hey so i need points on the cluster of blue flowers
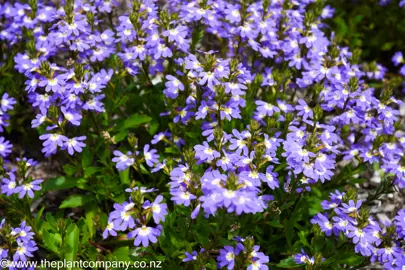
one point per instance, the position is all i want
(311, 109)
(11, 184)
(244, 254)
(20, 242)
(380, 241)
(137, 213)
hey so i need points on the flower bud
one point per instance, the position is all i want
(133, 141)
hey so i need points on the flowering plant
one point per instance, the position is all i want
(204, 134)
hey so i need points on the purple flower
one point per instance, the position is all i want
(192, 256)
(177, 34)
(53, 84)
(270, 178)
(74, 144)
(232, 14)
(29, 188)
(398, 58)
(159, 210)
(259, 260)
(388, 254)
(24, 250)
(9, 185)
(5, 147)
(209, 79)
(160, 137)
(150, 155)
(323, 222)
(303, 258)
(72, 116)
(109, 230)
(3, 253)
(205, 152)
(95, 104)
(182, 197)
(144, 235)
(351, 207)
(327, 12)
(23, 233)
(52, 141)
(239, 141)
(121, 216)
(226, 257)
(265, 108)
(123, 161)
(173, 86)
(7, 102)
(304, 110)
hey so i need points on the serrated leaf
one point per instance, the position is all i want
(69, 169)
(303, 238)
(89, 171)
(52, 241)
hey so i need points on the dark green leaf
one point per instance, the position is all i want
(87, 157)
(76, 201)
(61, 182)
(89, 171)
(133, 121)
(288, 263)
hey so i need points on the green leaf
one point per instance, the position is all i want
(303, 238)
(124, 176)
(153, 126)
(71, 243)
(121, 254)
(76, 201)
(69, 169)
(275, 223)
(87, 157)
(91, 212)
(345, 257)
(133, 121)
(288, 263)
(61, 182)
(89, 171)
(38, 218)
(121, 135)
(192, 134)
(52, 241)
(289, 230)
(172, 150)
(351, 260)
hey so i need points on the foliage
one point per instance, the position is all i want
(201, 134)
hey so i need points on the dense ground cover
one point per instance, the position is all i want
(202, 134)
